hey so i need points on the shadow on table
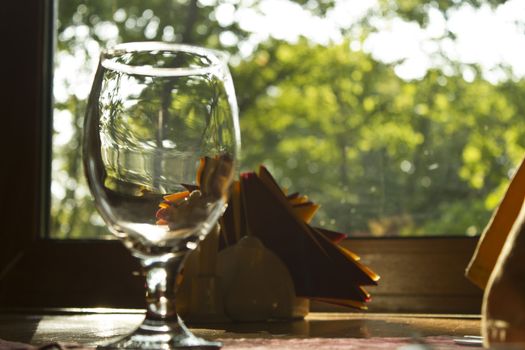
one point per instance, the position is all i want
(355, 328)
(19, 328)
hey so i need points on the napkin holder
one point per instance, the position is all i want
(242, 283)
(264, 261)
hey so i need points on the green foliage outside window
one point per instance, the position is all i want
(382, 155)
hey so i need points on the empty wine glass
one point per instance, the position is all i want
(161, 143)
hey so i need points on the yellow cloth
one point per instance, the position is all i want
(497, 230)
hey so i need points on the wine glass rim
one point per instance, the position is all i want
(216, 58)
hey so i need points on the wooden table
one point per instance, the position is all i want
(98, 326)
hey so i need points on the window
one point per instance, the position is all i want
(397, 183)
(393, 119)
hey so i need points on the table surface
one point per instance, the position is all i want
(98, 326)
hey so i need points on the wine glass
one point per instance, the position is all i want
(161, 143)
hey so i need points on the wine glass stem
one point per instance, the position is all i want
(161, 288)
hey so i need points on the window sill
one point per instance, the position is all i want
(417, 275)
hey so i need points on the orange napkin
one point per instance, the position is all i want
(319, 267)
(497, 230)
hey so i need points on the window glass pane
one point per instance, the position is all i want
(398, 118)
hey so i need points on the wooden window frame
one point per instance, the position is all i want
(419, 274)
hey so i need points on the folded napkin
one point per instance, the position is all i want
(496, 232)
(320, 268)
(258, 207)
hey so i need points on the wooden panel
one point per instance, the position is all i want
(74, 274)
(419, 274)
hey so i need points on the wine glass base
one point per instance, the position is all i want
(158, 335)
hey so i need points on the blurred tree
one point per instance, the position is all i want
(382, 155)
(418, 10)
